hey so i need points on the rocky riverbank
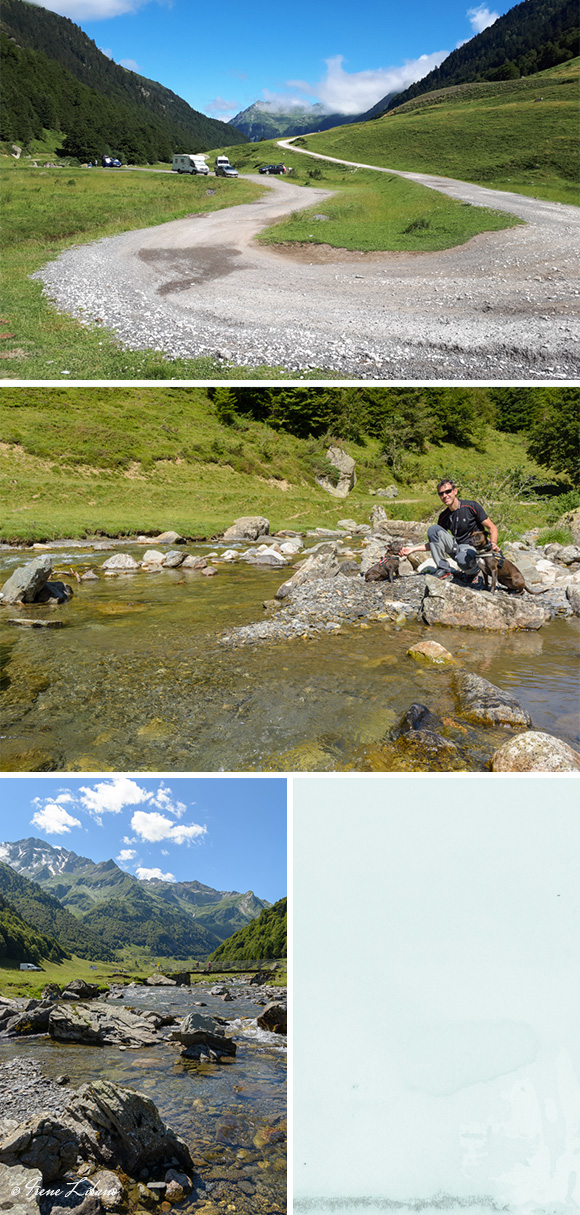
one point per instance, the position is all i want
(102, 1145)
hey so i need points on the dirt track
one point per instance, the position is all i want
(503, 306)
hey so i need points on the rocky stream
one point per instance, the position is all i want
(144, 1098)
(180, 656)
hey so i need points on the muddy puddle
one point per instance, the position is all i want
(139, 680)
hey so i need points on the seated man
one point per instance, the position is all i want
(449, 536)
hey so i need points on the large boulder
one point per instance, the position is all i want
(345, 465)
(247, 527)
(273, 1018)
(203, 1036)
(460, 607)
(431, 653)
(98, 1024)
(121, 1128)
(78, 989)
(535, 752)
(321, 564)
(159, 980)
(27, 581)
(483, 703)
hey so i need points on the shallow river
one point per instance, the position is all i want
(232, 1115)
(138, 680)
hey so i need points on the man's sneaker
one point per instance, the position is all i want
(443, 573)
(471, 579)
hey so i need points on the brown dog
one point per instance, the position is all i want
(496, 568)
(388, 566)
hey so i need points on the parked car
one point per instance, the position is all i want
(110, 162)
(226, 171)
(273, 169)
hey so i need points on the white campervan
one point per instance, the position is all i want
(189, 163)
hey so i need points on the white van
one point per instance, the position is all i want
(221, 162)
(189, 163)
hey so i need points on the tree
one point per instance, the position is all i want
(555, 438)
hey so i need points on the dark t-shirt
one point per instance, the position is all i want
(462, 522)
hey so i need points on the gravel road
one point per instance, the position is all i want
(504, 306)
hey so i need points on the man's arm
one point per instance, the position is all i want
(414, 548)
(492, 529)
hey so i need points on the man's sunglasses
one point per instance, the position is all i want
(446, 493)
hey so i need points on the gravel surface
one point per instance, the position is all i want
(502, 306)
(24, 1091)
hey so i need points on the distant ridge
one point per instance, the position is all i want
(181, 919)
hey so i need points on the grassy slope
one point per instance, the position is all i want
(370, 211)
(494, 134)
(46, 211)
(75, 462)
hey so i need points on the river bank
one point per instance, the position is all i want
(156, 666)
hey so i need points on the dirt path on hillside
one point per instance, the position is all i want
(503, 306)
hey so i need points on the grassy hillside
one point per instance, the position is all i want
(263, 938)
(47, 916)
(530, 37)
(55, 76)
(76, 462)
(21, 942)
(516, 135)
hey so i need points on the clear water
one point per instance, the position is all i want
(138, 680)
(232, 1115)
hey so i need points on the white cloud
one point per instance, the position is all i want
(153, 827)
(481, 18)
(91, 10)
(126, 854)
(130, 64)
(221, 108)
(54, 819)
(106, 50)
(145, 874)
(344, 92)
(112, 795)
(163, 799)
(128, 839)
(4, 852)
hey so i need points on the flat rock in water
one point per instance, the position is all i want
(483, 703)
(535, 752)
(120, 561)
(460, 607)
(322, 564)
(36, 624)
(169, 538)
(25, 583)
(100, 1024)
(430, 652)
(21, 1184)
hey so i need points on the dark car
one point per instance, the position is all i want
(273, 169)
(110, 162)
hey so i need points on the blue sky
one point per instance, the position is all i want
(229, 833)
(221, 59)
